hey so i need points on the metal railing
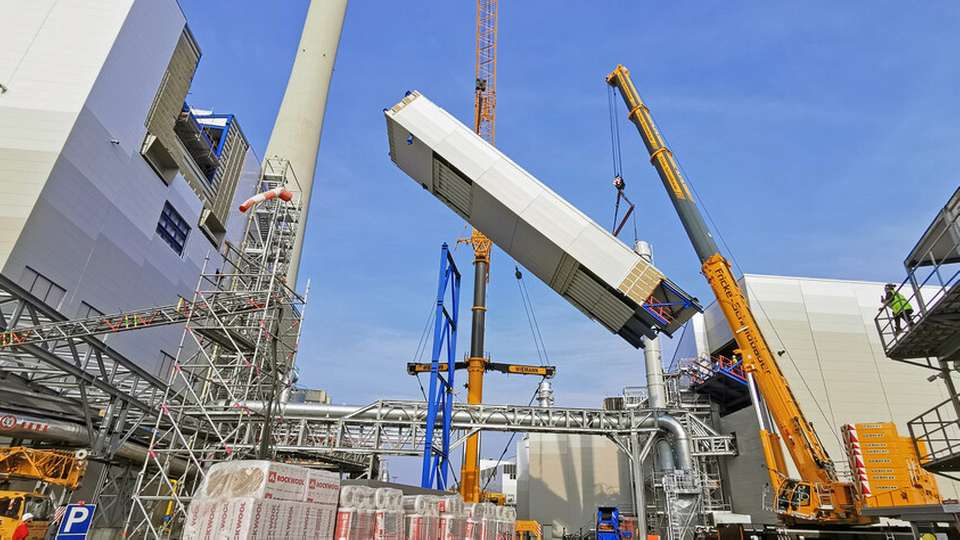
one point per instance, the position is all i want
(936, 432)
(700, 369)
(930, 279)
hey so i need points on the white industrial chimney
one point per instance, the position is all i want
(296, 133)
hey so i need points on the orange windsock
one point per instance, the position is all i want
(280, 192)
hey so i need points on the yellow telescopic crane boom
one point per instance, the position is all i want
(820, 496)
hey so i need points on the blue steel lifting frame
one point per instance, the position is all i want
(653, 308)
(440, 398)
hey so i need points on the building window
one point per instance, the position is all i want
(173, 228)
(44, 289)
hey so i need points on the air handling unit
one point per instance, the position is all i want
(588, 266)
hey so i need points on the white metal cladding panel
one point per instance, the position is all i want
(495, 183)
(540, 256)
(493, 172)
(51, 56)
(836, 366)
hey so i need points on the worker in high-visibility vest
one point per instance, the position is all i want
(899, 306)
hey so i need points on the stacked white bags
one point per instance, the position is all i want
(488, 523)
(355, 519)
(453, 519)
(475, 513)
(506, 521)
(421, 517)
(254, 500)
(388, 518)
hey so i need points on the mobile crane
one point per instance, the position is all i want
(819, 496)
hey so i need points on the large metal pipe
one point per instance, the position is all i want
(656, 389)
(296, 132)
(17, 425)
(681, 442)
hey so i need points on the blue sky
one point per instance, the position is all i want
(821, 136)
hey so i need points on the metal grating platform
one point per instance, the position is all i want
(921, 319)
(936, 433)
(722, 379)
(936, 333)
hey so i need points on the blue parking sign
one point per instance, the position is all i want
(76, 521)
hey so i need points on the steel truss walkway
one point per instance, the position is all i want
(76, 378)
(399, 427)
(221, 304)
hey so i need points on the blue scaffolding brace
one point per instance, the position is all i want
(440, 398)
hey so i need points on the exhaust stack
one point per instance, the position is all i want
(296, 132)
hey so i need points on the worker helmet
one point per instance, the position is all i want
(27, 517)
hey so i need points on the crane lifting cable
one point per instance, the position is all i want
(531, 317)
(618, 181)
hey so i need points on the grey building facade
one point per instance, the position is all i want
(116, 191)
(562, 479)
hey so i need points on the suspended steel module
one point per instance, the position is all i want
(568, 251)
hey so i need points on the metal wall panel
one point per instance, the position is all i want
(836, 368)
(551, 238)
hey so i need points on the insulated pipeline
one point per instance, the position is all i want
(670, 425)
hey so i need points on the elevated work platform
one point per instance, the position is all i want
(720, 378)
(575, 256)
(930, 326)
(919, 323)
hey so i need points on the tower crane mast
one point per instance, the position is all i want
(484, 115)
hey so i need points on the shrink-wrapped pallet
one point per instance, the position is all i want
(355, 524)
(323, 487)
(356, 515)
(421, 517)
(488, 525)
(473, 528)
(388, 516)
(451, 504)
(357, 497)
(453, 519)
(247, 518)
(452, 527)
(199, 521)
(326, 521)
(257, 479)
(245, 500)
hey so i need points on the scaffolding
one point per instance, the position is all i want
(226, 359)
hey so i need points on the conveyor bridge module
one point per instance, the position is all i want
(575, 256)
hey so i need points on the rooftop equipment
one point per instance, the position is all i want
(575, 256)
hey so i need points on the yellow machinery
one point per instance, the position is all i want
(819, 495)
(53, 467)
(494, 497)
(528, 530)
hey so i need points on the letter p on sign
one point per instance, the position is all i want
(76, 521)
